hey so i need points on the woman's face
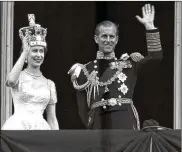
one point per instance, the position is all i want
(36, 56)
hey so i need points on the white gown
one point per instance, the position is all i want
(30, 98)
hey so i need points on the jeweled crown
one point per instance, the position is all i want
(34, 33)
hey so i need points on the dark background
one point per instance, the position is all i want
(70, 36)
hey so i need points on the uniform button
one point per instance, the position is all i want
(104, 107)
(102, 99)
(96, 71)
(95, 66)
(89, 119)
(119, 104)
(95, 61)
(119, 96)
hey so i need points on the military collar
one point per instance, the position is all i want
(100, 55)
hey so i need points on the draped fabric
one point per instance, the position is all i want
(91, 141)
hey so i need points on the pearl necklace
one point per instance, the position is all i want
(33, 75)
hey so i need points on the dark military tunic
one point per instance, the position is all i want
(106, 108)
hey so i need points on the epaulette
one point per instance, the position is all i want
(133, 59)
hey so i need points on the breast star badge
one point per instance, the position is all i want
(122, 77)
(123, 88)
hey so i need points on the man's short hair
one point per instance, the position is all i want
(106, 24)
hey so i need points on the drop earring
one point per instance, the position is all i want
(26, 61)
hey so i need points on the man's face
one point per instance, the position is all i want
(106, 39)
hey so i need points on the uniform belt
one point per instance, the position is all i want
(111, 102)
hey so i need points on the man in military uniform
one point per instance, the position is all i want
(105, 86)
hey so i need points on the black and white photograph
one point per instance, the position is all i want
(91, 76)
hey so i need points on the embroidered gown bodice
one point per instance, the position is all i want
(30, 98)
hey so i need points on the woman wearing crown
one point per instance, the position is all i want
(32, 93)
